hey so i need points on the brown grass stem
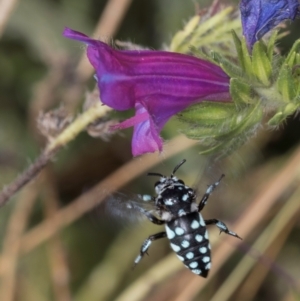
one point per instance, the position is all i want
(59, 269)
(11, 245)
(6, 9)
(29, 174)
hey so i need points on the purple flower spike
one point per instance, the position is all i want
(260, 16)
(157, 84)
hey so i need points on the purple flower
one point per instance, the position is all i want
(157, 84)
(260, 16)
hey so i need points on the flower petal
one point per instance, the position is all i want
(146, 137)
(158, 84)
(260, 16)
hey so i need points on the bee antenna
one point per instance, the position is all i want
(178, 165)
(155, 174)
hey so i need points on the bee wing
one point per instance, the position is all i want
(128, 207)
(209, 173)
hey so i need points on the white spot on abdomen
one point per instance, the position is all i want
(193, 264)
(199, 237)
(195, 224)
(180, 257)
(202, 250)
(208, 266)
(175, 247)
(196, 271)
(206, 259)
(170, 233)
(202, 223)
(189, 255)
(179, 231)
(185, 243)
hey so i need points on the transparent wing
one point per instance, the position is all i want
(126, 207)
(209, 173)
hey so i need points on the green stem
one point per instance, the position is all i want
(92, 114)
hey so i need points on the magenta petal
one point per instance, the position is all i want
(158, 84)
(146, 137)
(131, 121)
(76, 35)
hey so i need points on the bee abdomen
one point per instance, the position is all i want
(189, 240)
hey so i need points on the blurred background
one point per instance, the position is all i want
(58, 243)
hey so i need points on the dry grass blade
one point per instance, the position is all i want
(256, 277)
(11, 244)
(59, 269)
(6, 9)
(290, 297)
(116, 263)
(285, 218)
(24, 178)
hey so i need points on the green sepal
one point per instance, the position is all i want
(178, 43)
(243, 121)
(241, 92)
(296, 75)
(243, 126)
(238, 45)
(202, 55)
(208, 113)
(271, 45)
(214, 22)
(243, 54)
(290, 59)
(196, 132)
(286, 84)
(280, 116)
(297, 59)
(261, 65)
(228, 133)
(230, 68)
(224, 147)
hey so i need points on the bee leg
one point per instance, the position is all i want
(146, 244)
(221, 226)
(152, 218)
(208, 192)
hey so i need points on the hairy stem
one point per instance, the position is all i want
(80, 123)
